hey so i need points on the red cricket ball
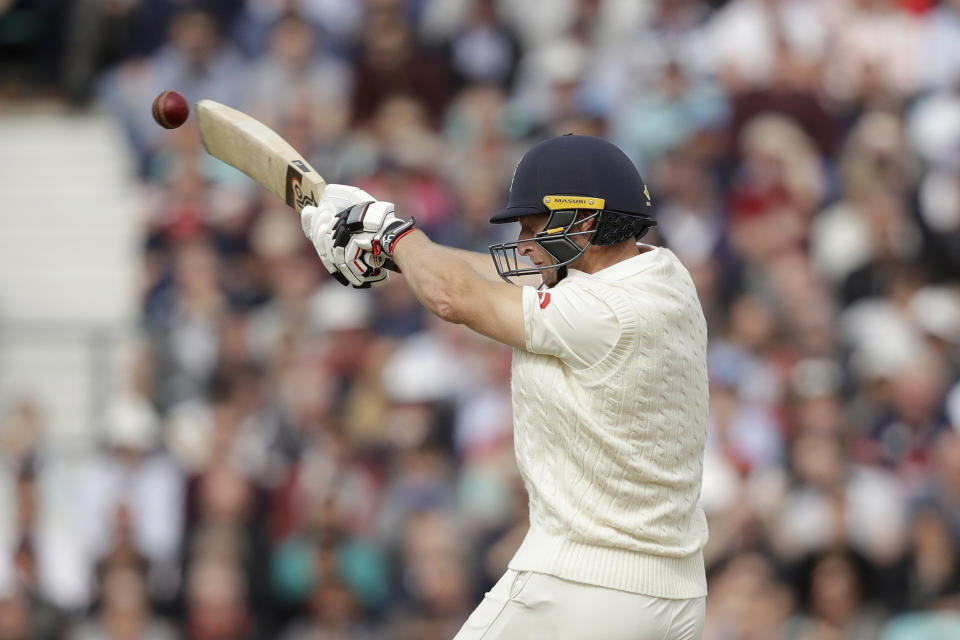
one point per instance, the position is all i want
(170, 109)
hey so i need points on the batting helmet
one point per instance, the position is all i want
(564, 177)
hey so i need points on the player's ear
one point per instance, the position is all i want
(589, 220)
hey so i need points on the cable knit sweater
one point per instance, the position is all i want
(610, 412)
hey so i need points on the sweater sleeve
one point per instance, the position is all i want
(571, 323)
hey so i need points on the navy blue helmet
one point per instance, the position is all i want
(573, 178)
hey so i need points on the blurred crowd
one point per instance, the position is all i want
(287, 458)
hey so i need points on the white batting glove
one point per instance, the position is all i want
(316, 223)
(320, 224)
(373, 227)
(343, 196)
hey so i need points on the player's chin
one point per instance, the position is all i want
(550, 277)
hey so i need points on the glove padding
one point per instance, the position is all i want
(348, 265)
(374, 227)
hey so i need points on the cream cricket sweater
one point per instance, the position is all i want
(610, 413)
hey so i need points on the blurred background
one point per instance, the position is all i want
(205, 437)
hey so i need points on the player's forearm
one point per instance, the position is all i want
(437, 275)
(482, 263)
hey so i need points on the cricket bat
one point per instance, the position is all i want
(252, 147)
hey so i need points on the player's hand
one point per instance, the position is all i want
(343, 196)
(375, 227)
(358, 265)
(320, 223)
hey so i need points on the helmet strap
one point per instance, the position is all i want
(561, 273)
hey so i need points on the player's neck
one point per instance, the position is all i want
(597, 258)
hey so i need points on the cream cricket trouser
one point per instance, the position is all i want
(527, 605)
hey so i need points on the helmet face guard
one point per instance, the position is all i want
(555, 239)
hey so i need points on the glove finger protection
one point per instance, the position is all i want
(343, 196)
(317, 223)
(322, 223)
(375, 226)
(311, 218)
(359, 261)
(355, 263)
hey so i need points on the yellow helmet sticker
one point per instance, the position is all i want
(572, 202)
(646, 192)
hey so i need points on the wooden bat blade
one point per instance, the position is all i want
(252, 147)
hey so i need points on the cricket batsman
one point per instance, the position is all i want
(609, 387)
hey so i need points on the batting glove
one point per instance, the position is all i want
(373, 227)
(360, 268)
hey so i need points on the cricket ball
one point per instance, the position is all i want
(170, 109)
